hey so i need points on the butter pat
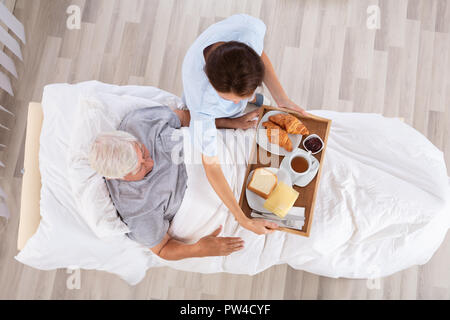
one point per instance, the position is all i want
(281, 200)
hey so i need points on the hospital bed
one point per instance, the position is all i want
(31, 183)
(421, 216)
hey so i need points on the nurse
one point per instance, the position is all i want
(221, 71)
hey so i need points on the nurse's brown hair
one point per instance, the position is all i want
(234, 67)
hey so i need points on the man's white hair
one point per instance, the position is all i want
(113, 154)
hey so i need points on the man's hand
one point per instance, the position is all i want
(260, 226)
(244, 122)
(289, 104)
(212, 245)
(247, 121)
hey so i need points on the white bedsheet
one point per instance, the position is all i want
(383, 203)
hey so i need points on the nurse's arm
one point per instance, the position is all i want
(275, 88)
(220, 185)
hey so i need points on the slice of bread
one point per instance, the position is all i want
(262, 182)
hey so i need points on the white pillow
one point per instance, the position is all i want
(68, 237)
(96, 113)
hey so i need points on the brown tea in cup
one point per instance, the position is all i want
(299, 164)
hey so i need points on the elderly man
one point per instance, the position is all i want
(147, 186)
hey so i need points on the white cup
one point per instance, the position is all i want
(308, 157)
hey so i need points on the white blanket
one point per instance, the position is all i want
(383, 203)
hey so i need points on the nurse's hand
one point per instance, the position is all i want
(289, 104)
(260, 226)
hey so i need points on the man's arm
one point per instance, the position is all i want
(211, 245)
(245, 122)
(184, 116)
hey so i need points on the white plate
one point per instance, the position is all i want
(263, 141)
(255, 201)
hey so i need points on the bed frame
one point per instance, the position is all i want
(31, 183)
(30, 216)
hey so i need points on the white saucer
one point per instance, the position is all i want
(255, 201)
(302, 181)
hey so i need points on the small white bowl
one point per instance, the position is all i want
(313, 136)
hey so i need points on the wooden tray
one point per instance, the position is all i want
(259, 158)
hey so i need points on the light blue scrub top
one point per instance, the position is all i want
(204, 104)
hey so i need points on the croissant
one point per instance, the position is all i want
(290, 123)
(277, 135)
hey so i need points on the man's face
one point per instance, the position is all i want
(145, 163)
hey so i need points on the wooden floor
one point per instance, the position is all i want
(326, 58)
